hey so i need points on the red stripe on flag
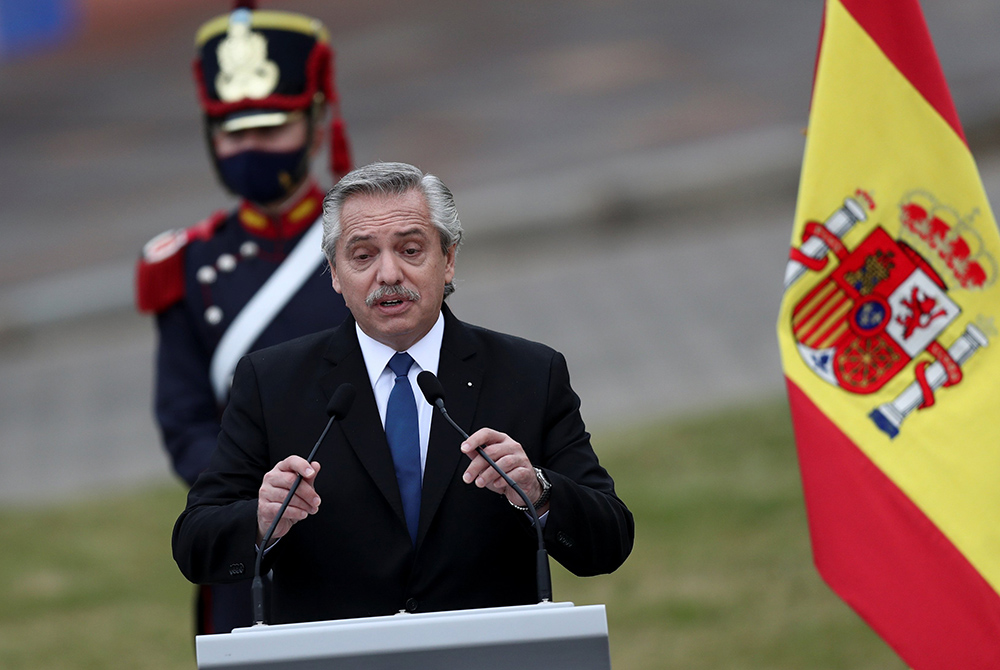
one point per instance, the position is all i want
(899, 29)
(885, 558)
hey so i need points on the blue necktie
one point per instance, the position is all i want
(403, 435)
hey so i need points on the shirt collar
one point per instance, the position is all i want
(426, 352)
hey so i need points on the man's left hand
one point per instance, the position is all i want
(510, 457)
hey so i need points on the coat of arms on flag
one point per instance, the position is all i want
(884, 304)
(888, 336)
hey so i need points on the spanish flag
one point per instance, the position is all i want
(889, 342)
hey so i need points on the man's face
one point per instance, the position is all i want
(388, 243)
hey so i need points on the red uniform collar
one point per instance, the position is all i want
(296, 218)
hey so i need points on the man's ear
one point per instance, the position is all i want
(333, 277)
(449, 263)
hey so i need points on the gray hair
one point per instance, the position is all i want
(393, 179)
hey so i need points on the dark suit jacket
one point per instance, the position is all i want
(354, 557)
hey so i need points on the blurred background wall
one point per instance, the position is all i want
(625, 169)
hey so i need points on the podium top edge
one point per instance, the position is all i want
(421, 616)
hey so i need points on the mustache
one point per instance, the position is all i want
(383, 292)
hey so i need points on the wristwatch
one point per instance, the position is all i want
(546, 492)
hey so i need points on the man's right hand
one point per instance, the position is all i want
(275, 487)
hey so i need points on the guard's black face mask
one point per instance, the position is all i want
(263, 177)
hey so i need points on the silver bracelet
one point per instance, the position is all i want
(542, 499)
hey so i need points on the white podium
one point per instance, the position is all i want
(546, 636)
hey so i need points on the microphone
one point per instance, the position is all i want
(433, 392)
(340, 403)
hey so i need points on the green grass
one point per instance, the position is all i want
(92, 585)
(721, 575)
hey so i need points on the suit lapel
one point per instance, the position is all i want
(460, 371)
(362, 426)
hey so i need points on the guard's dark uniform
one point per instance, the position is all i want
(253, 69)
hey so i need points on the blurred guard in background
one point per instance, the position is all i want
(242, 280)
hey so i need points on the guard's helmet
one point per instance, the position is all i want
(255, 67)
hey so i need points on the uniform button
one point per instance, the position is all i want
(249, 249)
(206, 274)
(226, 263)
(236, 569)
(411, 605)
(214, 315)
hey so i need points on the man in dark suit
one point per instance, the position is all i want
(407, 522)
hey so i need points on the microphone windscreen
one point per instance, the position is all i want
(341, 401)
(430, 386)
